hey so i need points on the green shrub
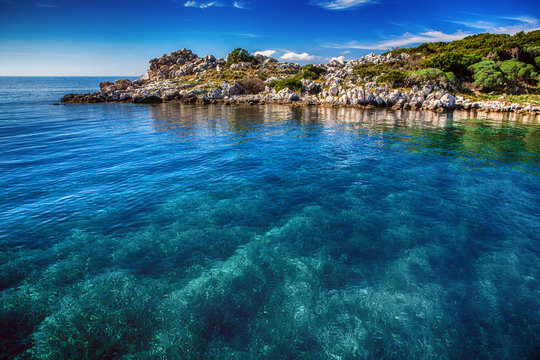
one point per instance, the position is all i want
(394, 78)
(518, 71)
(451, 61)
(487, 75)
(479, 44)
(262, 75)
(537, 61)
(366, 70)
(430, 74)
(239, 55)
(312, 72)
(448, 61)
(450, 76)
(293, 84)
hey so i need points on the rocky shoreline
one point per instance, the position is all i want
(184, 77)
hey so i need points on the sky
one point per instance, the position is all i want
(119, 37)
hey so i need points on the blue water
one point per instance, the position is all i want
(264, 232)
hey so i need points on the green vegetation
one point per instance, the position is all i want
(293, 84)
(312, 72)
(478, 63)
(482, 45)
(367, 70)
(519, 72)
(483, 62)
(487, 75)
(240, 55)
(394, 78)
(451, 62)
(421, 76)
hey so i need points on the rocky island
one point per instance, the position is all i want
(432, 76)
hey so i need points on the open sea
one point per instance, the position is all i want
(264, 232)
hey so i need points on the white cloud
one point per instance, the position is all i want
(297, 57)
(504, 25)
(249, 35)
(246, 35)
(239, 5)
(265, 52)
(400, 41)
(201, 5)
(342, 4)
(339, 58)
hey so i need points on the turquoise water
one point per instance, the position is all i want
(252, 232)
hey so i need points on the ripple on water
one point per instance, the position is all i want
(268, 232)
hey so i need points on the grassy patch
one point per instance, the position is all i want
(293, 84)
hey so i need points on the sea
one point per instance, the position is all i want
(264, 232)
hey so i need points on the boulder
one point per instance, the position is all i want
(241, 65)
(448, 101)
(186, 69)
(334, 90)
(232, 89)
(125, 97)
(215, 94)
(106, 85)
(146, 99)
(170, 95)
(288, 95)
(141, 81)
(122, 84)
(379, 101)
(439, 94)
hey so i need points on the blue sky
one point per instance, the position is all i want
(117, 38)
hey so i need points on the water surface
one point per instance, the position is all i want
(264, 232)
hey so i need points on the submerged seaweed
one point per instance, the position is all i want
(277, 233)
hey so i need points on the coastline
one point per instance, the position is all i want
(150, 99)
(184, 77)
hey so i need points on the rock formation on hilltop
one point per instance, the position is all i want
(371, 81)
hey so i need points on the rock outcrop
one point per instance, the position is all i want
(185, 77)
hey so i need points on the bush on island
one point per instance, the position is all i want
(253, 85)
(293, 84)
(240, 55)
(519, 72)
(430, 74)
(312, 72)
(487, 76)
(393, 78)
(451, 61)
(368, 70)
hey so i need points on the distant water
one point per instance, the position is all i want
(252, 232)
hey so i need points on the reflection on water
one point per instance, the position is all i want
(269, 232)
(476, 135)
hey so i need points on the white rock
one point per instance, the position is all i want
(215, 94)
(448, 101)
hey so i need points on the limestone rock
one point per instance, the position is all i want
(122, 84)
(170, 95)
(288, 94)
(215, 94)
(105, 85)
(146, 99)
(448, 101)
